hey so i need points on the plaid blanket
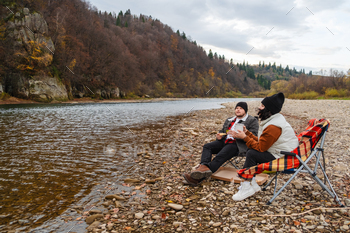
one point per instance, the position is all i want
(307, 141)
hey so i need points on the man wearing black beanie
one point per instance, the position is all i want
(225, 147)
(275, 135)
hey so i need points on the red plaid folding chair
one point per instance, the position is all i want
(297, 160)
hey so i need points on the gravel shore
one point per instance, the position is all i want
(155, 200)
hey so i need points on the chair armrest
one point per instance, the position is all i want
(288, 153)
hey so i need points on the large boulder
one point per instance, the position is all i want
(46, 89)
(77, 93)
(17, 85)
(115, 93)
(104, 94)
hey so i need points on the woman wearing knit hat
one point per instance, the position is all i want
(275, 135)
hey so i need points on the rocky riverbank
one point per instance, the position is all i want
(152, 198)
(14, 100)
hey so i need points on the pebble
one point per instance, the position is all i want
(226, 212)
(139, 215)
(175, 206)
(91, 212)
(92, 218)
(156, 217)
(131, 181)
(116, 197)
(217, 224)
(176, 224)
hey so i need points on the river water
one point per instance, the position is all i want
(53, 156)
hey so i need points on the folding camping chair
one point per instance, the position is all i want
(298, 160)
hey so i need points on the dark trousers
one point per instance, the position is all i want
(223, 153)
(254, 158)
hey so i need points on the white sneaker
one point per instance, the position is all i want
(255, 186)
(245, 190)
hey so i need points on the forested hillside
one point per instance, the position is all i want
(97, 52)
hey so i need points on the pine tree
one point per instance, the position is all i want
(210, 55)
(126, 24)
(118, 23)
(178, 32)
(128, 12)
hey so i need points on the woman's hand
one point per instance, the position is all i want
(239, 134)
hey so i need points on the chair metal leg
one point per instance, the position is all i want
(238, 160)
(269, 183)
(333, 194)
(285, 185)
(229, 161)
(313, 174)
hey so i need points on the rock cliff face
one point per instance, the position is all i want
(30, 32)
(26, 28)
(34, 51)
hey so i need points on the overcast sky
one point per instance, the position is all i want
(309, 34)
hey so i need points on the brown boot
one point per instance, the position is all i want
(191, 181)
(201, 172)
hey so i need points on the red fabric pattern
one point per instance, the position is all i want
(230, 140)
(307, 141)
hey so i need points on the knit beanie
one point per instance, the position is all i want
(274, 103)
(243, 105)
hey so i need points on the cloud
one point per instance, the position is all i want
(236, 26)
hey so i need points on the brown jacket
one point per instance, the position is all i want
(269, 136)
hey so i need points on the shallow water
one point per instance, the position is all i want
(54, 156)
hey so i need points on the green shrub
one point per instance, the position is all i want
(343, 92)
(307, 95)
(4, 96)
(331, 92)
(260, 94)
(233, 94)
